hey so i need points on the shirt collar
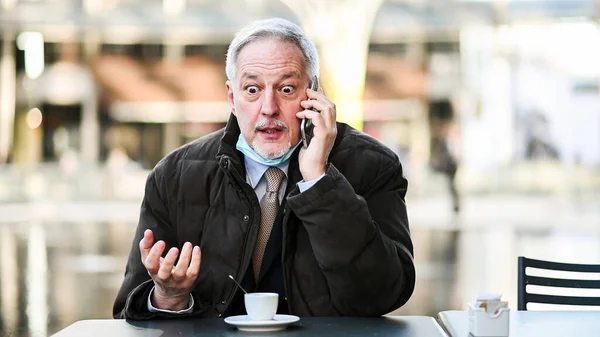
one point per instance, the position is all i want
(256, 170)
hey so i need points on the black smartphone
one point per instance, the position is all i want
(306, 125)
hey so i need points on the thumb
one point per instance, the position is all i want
(146, 243)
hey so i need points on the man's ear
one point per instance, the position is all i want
(229, 87)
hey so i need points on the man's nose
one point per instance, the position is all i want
(269, 103)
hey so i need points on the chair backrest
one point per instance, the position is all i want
(525, 297)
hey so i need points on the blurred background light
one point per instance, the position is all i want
(8, 4)
(34, 118)
(32, 43)
(173, 8)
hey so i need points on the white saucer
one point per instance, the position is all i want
(279, 322)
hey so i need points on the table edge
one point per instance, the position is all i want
(443, 322)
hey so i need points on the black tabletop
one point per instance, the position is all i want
(397, 326)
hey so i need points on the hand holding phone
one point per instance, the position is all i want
(306, 125)
(318, 112)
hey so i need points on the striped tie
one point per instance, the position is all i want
(269, 206)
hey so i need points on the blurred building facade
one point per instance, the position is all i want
(104, 81)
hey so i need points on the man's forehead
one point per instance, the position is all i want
(253, 75)
(266, 54)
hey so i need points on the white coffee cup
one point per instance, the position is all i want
(261, 306)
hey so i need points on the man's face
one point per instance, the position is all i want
(270, 83)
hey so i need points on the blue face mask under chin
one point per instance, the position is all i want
(243, 146)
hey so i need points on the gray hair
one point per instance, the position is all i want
(272, 28)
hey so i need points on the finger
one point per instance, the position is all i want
(316, 118)
(152, 261)
(166, 268)
(146, 243)
(319, 95)
(327, 109)
(312, 104)
(184, 262)
(194, 269)
(312, 94)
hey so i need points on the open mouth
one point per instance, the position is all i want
(270, 131)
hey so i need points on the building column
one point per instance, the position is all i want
(419, 126)
(8, 75)
(487, 118)
(174, 54)
(90, 126)
(342, 32)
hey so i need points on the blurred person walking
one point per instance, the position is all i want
(443, 157)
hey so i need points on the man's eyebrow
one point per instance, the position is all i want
(288, 75)
(249, 76)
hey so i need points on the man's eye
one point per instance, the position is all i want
(252, 89)
(287, 89)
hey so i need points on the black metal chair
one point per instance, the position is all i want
(525, 297)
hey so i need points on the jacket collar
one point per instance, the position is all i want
(227, 155)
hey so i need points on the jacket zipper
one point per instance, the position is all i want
(284, 225)
(237, 180)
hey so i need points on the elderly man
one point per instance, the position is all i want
(324, 226)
